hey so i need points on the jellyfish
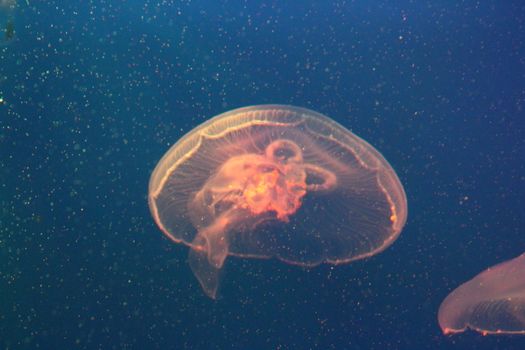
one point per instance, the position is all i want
(275, 181)
(493, 302)
(7, 4)
(7, 26)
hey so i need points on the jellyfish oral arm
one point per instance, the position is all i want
(212, 240)
(208, 253)
(207, 274)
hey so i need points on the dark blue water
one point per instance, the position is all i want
(94, 93)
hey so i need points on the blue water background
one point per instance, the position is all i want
(96, 91)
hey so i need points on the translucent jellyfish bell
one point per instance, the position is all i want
(493, 302)
(275, 181)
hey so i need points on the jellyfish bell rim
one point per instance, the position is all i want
(484, 332)
(287, 261)
(306, 114)
(454, 315)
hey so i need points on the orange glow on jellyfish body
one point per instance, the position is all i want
(260, 184)
(275, 181)
(278, 185)
(269, 192)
